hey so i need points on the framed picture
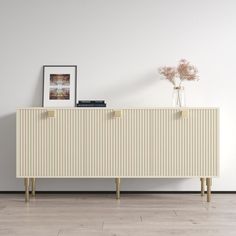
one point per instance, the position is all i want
(59, 85)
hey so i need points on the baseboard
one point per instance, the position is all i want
(122, 192)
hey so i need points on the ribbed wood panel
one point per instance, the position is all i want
(184, 146)
(92, 143)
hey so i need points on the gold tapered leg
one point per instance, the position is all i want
(26, 189)
(33, 186)
(202, 186)
(208, 183)
(117, 188)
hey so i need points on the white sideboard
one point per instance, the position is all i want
(117, 143)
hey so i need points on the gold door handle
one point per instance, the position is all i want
(51, 113)
(184, 113)
(117, 114)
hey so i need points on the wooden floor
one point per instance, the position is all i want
(133, 215)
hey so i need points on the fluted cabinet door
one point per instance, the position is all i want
(50, 146)
(116, 146)
(184, 146)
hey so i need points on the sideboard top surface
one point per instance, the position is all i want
(116, 108)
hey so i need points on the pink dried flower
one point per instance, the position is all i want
(169, 73)
(186, 71)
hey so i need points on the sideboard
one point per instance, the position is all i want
(117, 143)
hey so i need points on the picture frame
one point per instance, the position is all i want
(59, 85)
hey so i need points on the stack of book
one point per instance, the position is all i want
(91, 103)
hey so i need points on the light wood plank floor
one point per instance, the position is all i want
(133, 215)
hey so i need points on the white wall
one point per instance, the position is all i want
(118, 45)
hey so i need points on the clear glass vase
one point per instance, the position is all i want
(178, 97)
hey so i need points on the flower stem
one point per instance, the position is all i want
(179, 100)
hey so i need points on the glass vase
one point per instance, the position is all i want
(178, 97)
